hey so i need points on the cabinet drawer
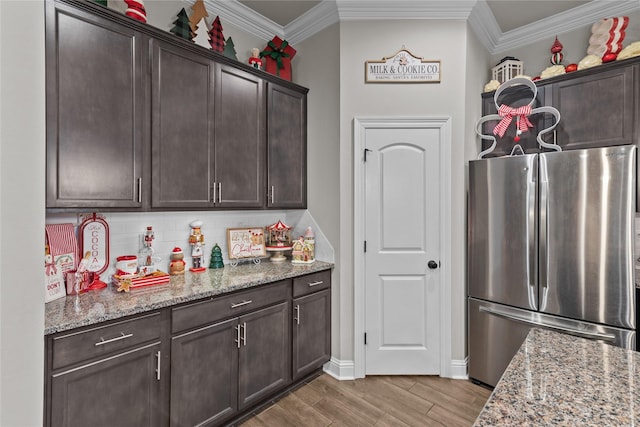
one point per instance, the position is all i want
(311, 283)
(218, 308)
(79, 346)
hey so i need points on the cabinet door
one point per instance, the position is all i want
(95, 96)
(182, 134)
(514, 97)
(287, 148)
(122, 390)
(240, 136)
(596, 110)
(311, 332)
(204, 370)
(265, 354)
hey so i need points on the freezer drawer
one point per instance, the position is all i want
(497, 331)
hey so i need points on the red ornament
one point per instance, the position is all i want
(556, 47)
(608, 57)
(571, 68)
(136, 10)
(556, 52)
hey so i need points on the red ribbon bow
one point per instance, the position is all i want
(50, 269)
(507, 113)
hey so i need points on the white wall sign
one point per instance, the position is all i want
(402, 67)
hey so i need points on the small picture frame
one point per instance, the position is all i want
(246, 243)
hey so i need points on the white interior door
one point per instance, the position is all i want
(402, 232)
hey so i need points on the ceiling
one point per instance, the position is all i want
(508, 13)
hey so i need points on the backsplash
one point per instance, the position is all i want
(172, 229)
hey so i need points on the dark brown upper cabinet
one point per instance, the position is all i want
(240, 139)
(182, 137)
(95, 109)
(287, 148)
(139, 119)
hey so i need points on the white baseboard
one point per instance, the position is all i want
(459, 369)
(344, 369)
(340, 369)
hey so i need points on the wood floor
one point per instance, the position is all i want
(377, 401)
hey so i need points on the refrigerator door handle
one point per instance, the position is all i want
(532, 248)
(544, 233)
(565, 329)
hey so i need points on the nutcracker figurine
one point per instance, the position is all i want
(196, 240)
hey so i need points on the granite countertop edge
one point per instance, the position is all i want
(75, 311)
(558, 379)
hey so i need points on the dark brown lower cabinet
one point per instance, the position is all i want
(311, 332)
(264, 362)
(120, 390)
(208, 362)
(204, 370)
(226, 367)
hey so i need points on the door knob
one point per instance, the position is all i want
(433, 264)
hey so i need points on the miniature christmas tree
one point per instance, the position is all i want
(216, 38)
(201, 33)
(216, 257)
(181, 27)
(136, 10)
(229, 49)
(199, 13)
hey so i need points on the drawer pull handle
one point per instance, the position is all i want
(122, 336)
(312, 284)
(240, 304)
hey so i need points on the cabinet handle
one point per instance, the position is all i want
(158, 366)
(139, 190)
(273, 191)
(312, 284)
(297, 315)
(219, 192)
(214, 192)
(244, 333)
(122, 336)
(240, 304)
(238, 335)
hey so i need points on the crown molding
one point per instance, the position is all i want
(569, 20)
(241, 16)
(476, 12)
(316, 19)
(484, 25)
(354, 10)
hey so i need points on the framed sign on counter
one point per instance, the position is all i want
(246, 243)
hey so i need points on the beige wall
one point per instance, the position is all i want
(22, 166)
(317, 66)
(365, 40)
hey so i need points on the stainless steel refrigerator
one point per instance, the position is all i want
(550, 244)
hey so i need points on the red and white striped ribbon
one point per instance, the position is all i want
(508, 113)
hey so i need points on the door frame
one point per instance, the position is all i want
(360, 126)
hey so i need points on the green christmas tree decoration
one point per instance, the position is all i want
(181, 26)
(216, 257)
(230, 50)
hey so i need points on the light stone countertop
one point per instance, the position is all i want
(560, 380)
(107, 304)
